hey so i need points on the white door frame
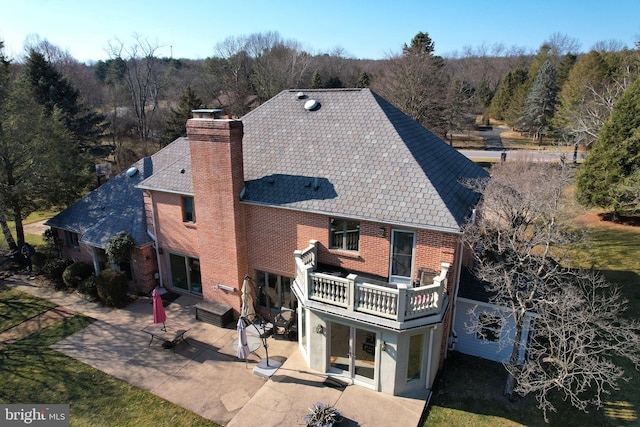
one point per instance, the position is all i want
(402, 279)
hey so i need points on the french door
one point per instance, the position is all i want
(185, 273)
(403, 243)
(352, 353)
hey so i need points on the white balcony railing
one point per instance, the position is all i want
(396, 302)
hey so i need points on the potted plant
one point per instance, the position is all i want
(322, 415)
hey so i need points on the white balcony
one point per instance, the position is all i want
(358, 296)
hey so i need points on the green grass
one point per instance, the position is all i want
(16, 307)
(33, 239)
(470, 394)
(31, 372)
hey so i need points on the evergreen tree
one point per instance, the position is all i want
(540, 104)
(364, 80)
(333, 82)
(499, 106)
(614, 157)
(316, 81)
(176, 124)
(51, 90)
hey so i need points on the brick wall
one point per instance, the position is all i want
(218, 180)
(144, 265)
(273, 234)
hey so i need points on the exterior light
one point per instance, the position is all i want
(381, 231)
(319, 329)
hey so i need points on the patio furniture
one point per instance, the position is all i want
(284, 322)
(214, 313)
(169, 335)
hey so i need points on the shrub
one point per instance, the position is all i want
(38, 260)
(74, 274)
(89, 288)
(54, 267)
(112, 288)
(119, 247)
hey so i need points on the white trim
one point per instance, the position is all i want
(408, 280)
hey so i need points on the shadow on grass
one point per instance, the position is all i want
(470, 393)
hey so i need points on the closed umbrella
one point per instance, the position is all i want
(243, 347)
(247, 311)
(159, 316)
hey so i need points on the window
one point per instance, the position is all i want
(275, 290)
(188, 210)
(344, 234)
(414, 364)
(489, 327)
(71, 239)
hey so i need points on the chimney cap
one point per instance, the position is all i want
(206, 113)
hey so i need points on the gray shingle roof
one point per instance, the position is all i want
(117, 205)
(371, 161)
(354, 156)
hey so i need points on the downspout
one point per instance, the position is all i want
(458, 263)
(155, 239)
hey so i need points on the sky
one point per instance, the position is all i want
(371, 29)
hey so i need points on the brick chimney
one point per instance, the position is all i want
(218, 180)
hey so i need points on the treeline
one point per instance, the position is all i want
(134, 103)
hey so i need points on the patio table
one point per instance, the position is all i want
(169, 334)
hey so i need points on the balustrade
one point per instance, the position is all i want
(396, 302)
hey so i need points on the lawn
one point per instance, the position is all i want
(16, 307)
(31, 372)
(470, 391)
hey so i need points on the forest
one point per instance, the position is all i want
(116, 111)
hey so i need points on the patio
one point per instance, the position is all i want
(204, 375)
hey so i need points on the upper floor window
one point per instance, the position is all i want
(188, 209)
(71, 239)
(344, 234)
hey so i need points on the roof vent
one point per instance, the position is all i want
(132, 171)
(311, 105)
(301, 95)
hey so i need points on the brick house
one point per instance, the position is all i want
(334, 202)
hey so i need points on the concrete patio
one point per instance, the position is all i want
(204, 374)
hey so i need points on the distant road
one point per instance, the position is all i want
(535, 155)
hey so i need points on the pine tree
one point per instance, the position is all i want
(176, 124)
(51, 90)
(364, 80)
(503, 98)
(316, 81)
(540, 103)
(614, 157)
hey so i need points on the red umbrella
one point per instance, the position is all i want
(159, 316)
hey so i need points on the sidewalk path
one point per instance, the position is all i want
(32, 325)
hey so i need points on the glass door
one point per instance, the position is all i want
(185, 273)
(402, 251)
(340, 356)
(353, 352)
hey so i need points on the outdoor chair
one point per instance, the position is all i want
(284, 322)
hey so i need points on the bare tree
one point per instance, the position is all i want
(416, 83)
(143, 80)
(521, 239)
